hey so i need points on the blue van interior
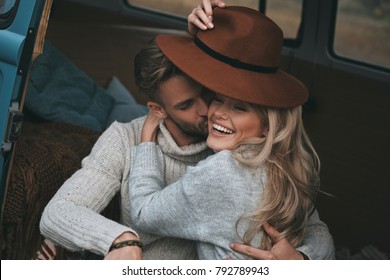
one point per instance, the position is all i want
(60, 88)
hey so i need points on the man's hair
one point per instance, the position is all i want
(151, 69)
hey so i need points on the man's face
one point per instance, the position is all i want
(186, 106)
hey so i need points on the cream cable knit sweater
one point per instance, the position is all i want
(71, 218)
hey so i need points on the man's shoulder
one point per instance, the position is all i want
(122, 134)
(135, 126)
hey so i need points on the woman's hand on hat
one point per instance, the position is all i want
(281, 249)
(202, 16)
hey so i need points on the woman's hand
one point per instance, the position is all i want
(202, 16)
(126, 252)
(281, 249)
(150, 128)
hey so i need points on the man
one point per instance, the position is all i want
(72, 219)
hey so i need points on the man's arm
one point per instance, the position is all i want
(316, 245)
(71, 219)
(317, 242)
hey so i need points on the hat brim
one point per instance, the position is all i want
(278, 89)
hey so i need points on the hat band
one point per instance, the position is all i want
(232, 61)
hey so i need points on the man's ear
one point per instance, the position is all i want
(157, 109)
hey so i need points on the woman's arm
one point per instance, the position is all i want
(166, 211)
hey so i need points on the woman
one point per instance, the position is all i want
(265, 168)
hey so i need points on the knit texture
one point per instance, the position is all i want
(206, 202)
(45, 156)
(71, 218)
(204, 205)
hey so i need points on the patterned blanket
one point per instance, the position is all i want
(45, 156)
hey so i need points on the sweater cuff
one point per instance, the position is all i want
(305, 252)
(305, 257)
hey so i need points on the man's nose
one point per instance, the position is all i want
(203, 107)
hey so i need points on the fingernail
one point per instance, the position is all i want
(211, 25)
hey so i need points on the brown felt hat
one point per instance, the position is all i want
(238, 58)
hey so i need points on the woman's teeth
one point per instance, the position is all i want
(222, 129)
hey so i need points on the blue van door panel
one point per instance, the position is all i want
(19, 27)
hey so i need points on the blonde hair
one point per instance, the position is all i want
(292, 168)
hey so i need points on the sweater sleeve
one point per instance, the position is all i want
(317, 242)
(71, 219)
(178, 210)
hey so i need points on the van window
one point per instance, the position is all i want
(184, 7)
(362, 31)
(287, 14)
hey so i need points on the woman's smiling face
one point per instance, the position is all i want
(231, 121)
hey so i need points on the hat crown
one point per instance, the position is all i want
(238, 58)
(244, 34)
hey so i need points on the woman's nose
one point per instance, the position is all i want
(221, 112)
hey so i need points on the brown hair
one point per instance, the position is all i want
(151, 69)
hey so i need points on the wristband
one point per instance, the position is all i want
(126, 243)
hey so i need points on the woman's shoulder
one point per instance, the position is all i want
(220, 160)
(225, 160)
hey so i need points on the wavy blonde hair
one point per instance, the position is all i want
(292, 167)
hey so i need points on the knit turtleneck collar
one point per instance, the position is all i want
(190, 154)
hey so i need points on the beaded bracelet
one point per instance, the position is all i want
(127, 243)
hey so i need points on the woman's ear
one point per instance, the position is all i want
(265, 132)
(157, 109)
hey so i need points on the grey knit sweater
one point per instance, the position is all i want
(72, 219)
(203, 205)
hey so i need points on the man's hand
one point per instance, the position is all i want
(126, 252)
(281, 249)
(202, 16)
